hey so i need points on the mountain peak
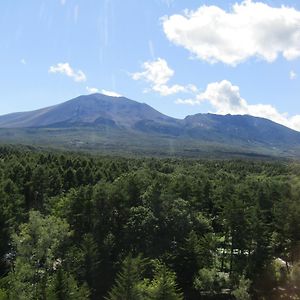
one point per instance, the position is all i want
(85, 109)
(106, 114)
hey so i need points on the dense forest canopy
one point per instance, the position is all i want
(76, 226)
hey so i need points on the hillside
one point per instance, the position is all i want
(116, 124)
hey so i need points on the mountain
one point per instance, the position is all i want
(242, 127)
(92, 109)
(119, 125)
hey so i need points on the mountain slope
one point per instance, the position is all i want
(91, 109)
(98, 122)
(242, 127)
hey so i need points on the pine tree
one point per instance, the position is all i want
(163, 286)
(127, 283)
(63, 286)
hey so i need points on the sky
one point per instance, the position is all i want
(182, 57)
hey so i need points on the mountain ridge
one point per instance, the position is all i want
(83, 108)
(96, 120)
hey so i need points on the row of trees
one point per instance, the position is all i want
(87, 227)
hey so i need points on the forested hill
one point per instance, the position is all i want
(116, 124)
(87, 227)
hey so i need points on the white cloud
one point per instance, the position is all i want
(92, 90)
(63, 2)
(110, 93)
(189, 101)
(250, 29)
(158, 74)
(23, 61)
(293, 75)
(226, 99)
(66, 69)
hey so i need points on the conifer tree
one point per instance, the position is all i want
(126, 286)
(163, 286)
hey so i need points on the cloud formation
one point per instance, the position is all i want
(293, 75)
(250, 29)
(66, 69)
(158, 74)
(110, 93)
(226, 99)
(93, 90)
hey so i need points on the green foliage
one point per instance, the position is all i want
(295, 275)
(3, 295)
(126, 286)
(131, 282)
(63, 286)
(211, 281)
(241, 292)
(39, 256)
(163, 285)
(67, 221)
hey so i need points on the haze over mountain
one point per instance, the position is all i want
(95, 121)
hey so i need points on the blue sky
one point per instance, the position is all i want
(181, 57)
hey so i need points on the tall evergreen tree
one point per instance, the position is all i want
(163, 286)
(126, 286)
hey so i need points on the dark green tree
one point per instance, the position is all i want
(126, 286)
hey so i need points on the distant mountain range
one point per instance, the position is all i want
(119, 125)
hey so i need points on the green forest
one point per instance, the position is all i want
(79, 226)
